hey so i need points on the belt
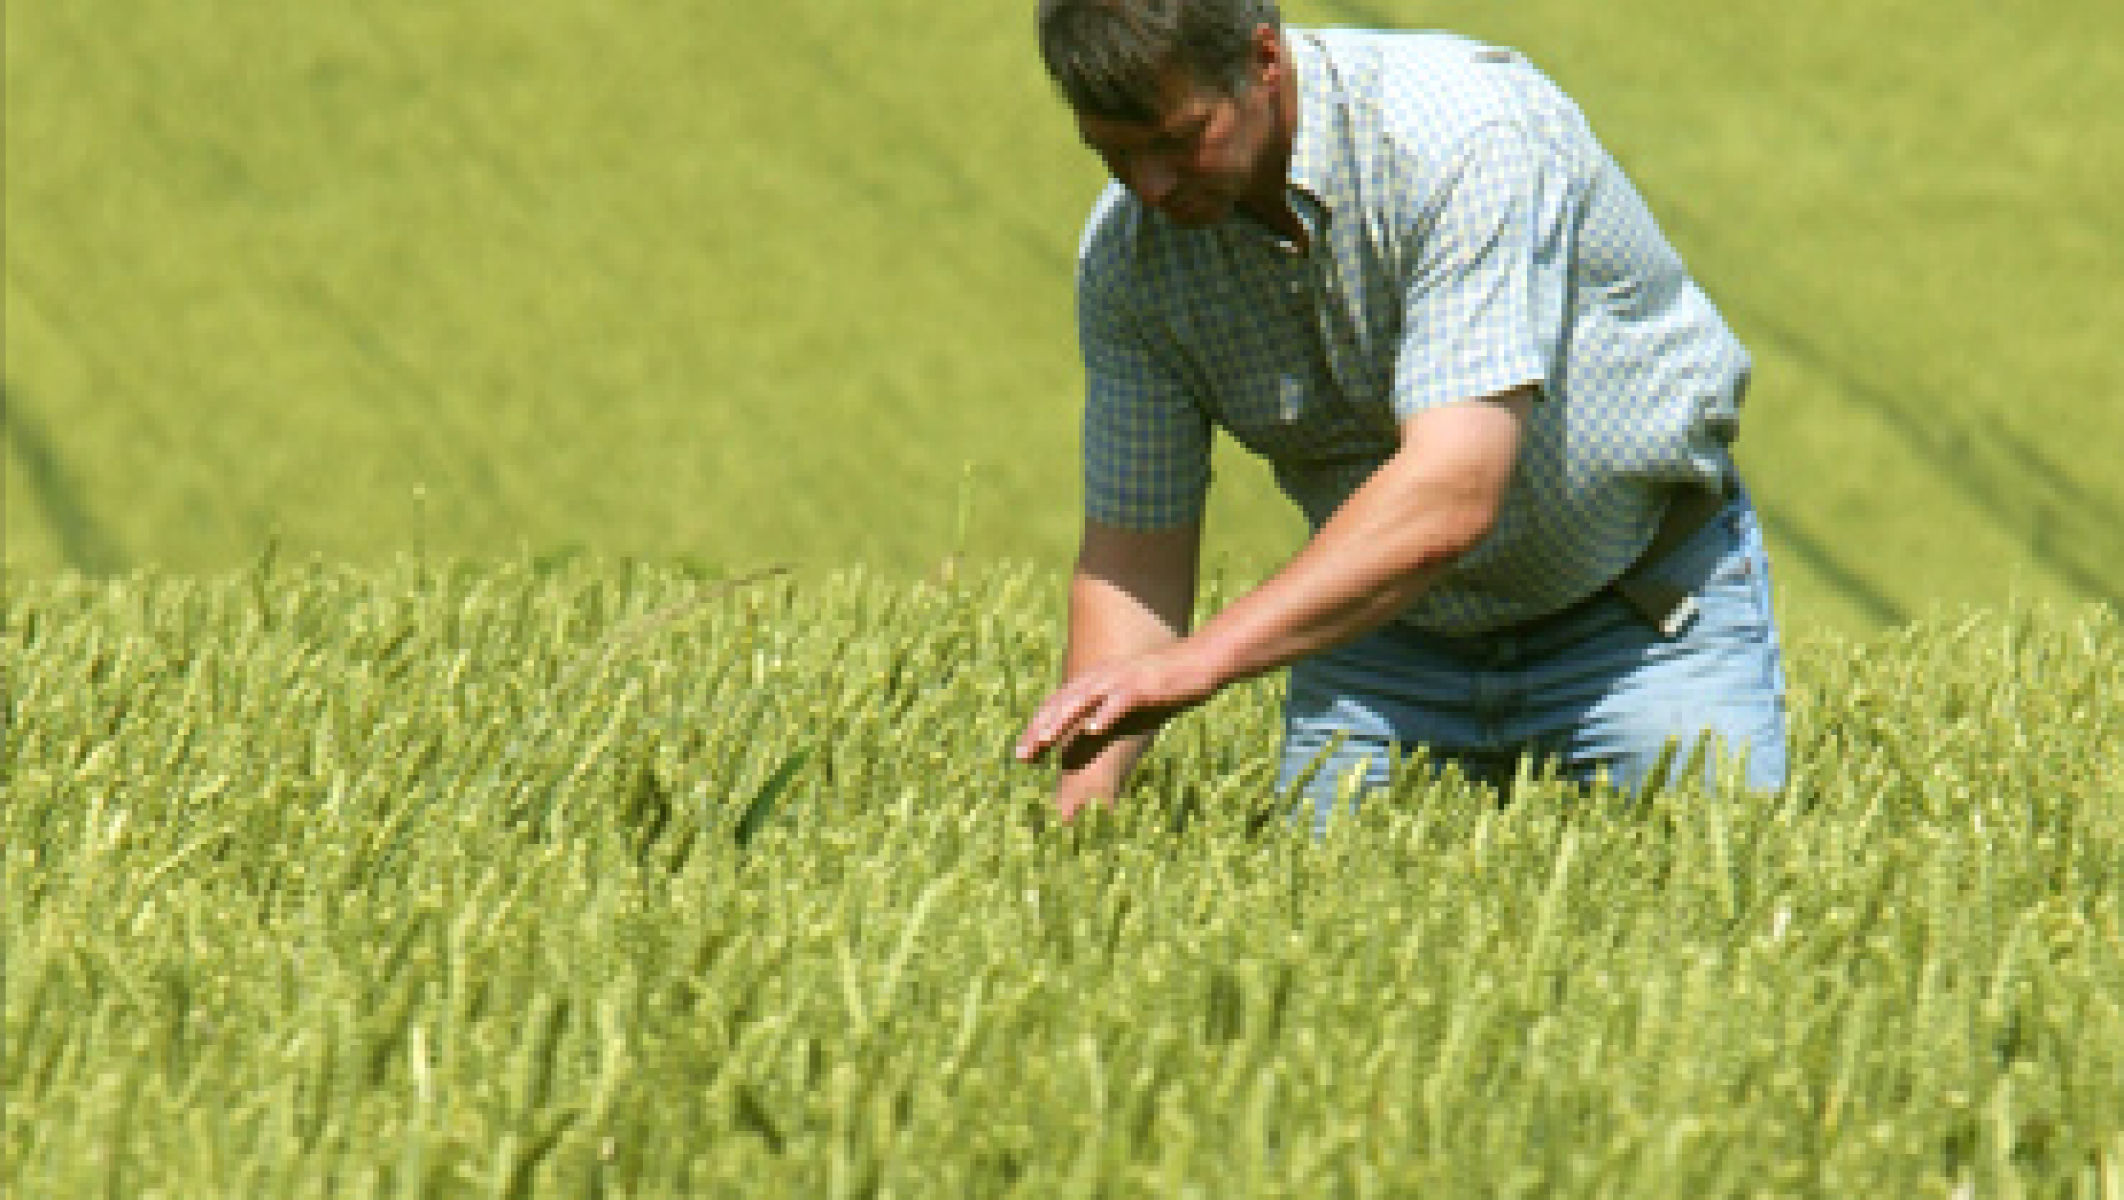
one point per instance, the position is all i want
(1671, 606)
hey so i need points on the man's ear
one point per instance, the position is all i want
(1269, 57)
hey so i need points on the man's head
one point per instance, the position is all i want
(1110, 57)
(1188, 101)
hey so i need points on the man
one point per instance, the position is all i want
(1400, 267)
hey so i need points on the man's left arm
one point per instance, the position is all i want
(1435, 499)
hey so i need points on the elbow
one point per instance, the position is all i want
(1460, 527)
(1458, 462)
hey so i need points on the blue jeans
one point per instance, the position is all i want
(1591, 691)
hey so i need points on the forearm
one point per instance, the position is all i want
(1364, 566)
(1381, 550)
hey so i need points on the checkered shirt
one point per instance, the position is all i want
(1468, 236)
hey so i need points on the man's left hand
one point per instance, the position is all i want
(1117, 699)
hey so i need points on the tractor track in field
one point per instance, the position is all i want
(84, 543)
(2066, 528)
(1829, 567)
(85, 540)
(2062, 526)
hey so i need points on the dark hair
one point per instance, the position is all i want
(1108, 56)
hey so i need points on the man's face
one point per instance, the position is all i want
(1204, 153)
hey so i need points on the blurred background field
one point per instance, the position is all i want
(741, 285)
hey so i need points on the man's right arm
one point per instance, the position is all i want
(1132, 591)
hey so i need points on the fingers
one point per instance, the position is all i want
(1056, 721)
(1092, 709)
(1118, 700)
(1082, 724)
(1112, 708)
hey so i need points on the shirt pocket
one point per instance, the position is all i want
(1262, 363)
(1295, 418)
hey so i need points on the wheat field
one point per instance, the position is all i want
(612, 879)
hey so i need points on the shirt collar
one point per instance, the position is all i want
(1317, 168)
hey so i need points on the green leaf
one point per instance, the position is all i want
(762, 804)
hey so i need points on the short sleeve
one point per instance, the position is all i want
(1489, 259)
(1146, 442)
